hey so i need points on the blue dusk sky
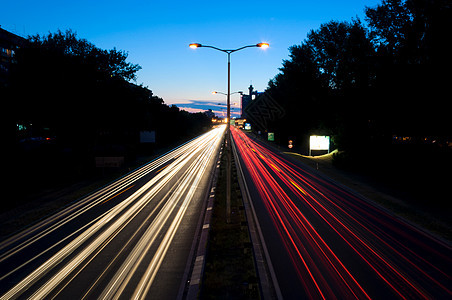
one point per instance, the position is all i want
(156, 35)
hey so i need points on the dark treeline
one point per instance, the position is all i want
(364, 83)
(367, 85)
(72, 101)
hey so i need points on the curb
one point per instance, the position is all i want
(268, 282)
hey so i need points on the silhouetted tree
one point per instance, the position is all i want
(111, 63)
(323, 77)
(364, 84)
(81, 97)
(413, 56)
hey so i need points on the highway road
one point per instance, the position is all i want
(326, 242)
(130, 239)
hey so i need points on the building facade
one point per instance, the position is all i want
(246, 99)
(9, 43)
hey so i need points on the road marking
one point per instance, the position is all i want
(161, 169)
(197, 270)
(118, 194)
(274, 167)
(298, 187)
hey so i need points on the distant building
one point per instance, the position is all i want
(246, 99)
(9, 43)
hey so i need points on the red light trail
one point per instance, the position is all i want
(389, 249)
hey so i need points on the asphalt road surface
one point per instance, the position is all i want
(130, 239)
(327, 242)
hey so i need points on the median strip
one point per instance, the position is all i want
(229, 263)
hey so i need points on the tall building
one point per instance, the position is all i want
(9, 43)
(246, 99)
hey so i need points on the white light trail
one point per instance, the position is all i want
(196, 154)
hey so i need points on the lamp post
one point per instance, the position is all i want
(239, 92)
(228, 116)
(215, 92)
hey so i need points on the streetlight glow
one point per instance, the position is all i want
(195, 45)
(229, 51)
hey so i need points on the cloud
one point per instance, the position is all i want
(192, 110)
(219, 108)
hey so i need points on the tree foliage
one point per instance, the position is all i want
(412, 31)
(109, 63)
(82, 100)
(81, 92)
(365, 82)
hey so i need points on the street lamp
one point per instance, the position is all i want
(228, 125)
(215, 92)
(195, 45)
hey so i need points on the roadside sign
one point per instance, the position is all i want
(271, 136)
(319, 142)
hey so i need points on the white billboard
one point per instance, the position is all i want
(319, 142)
